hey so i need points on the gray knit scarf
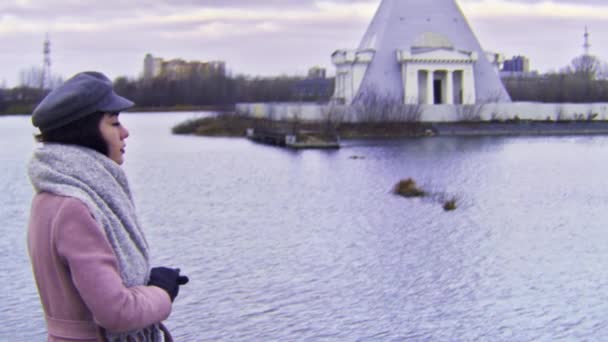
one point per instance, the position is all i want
(101, 184)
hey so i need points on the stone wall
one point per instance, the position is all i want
(429, 113)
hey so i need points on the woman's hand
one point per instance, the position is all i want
(167, 279)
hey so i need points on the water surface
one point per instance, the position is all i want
(285, 245)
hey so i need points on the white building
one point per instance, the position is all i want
(178, 68)
(317, 72)
(421, 52)
(418, 51)
(153, 67)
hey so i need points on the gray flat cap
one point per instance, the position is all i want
(83, 94)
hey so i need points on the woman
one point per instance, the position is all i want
(89, 255)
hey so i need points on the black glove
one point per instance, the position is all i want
(167, 279)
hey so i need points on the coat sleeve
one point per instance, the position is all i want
(94, 270)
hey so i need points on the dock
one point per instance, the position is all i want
(301, 140)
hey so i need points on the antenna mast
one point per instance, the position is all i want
(586, 46)
(45, 78)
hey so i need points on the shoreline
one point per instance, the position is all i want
(234, 126)
(136, 109)
(181, 108)
(524, 128)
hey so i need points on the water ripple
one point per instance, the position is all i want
(312, 246)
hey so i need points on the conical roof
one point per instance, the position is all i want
(399, 24)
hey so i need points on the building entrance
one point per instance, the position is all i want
(437, 95)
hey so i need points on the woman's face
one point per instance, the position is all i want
(114, 134)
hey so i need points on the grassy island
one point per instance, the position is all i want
(408, 188)
(231, 125)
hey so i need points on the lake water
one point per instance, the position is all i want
(285, 245)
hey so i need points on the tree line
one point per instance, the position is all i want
(557, 88)
(195, 89)
(208, 90)
(585, 80)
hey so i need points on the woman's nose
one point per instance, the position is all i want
(125, 133)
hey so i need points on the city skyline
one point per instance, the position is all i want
(267, 38)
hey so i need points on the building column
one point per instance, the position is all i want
(348, 89)
(449, 80)
(404, 82)
(340, 85)
(468, 87)
(430, 95)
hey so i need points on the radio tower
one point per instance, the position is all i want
(45, 78)
(586, 46)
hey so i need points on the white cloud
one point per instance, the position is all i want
(246, 33)
(325, 11)
(218, 22)
(545, 9)
(10, 24)
(268, 27)
(361, 10)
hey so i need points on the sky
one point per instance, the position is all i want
(267, 37)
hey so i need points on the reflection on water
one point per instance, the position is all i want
(285, 245)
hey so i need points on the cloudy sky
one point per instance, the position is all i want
(266, 37)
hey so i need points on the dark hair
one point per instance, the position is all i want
(82, 132)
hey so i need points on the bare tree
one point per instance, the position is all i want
(296, 118)
(373, 107)
(560, 113)
(469, 112)
(473, 112)
(31, 78)
(408, 112)
(34, 78)
(586, 66)
(332, 117)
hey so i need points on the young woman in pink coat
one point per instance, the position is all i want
(89, 254)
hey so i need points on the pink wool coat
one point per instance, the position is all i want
(77, 275)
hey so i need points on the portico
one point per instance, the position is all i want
(437, 76)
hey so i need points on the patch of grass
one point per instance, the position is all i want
(19, 108)
(408, 188)
(382, 130)
(223, 125)
(449, 205)
(182, 108)
(186, 127)
(230, 124)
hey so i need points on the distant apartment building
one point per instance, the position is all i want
(516, 64)
(153, 67)
(175, 69)
(315, 87)
(316, 72)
